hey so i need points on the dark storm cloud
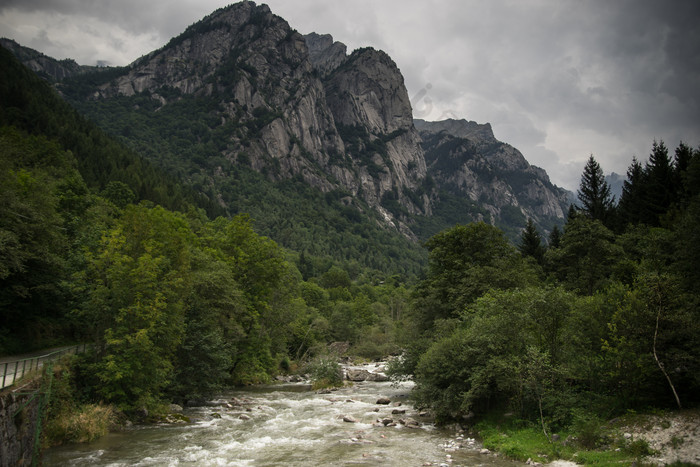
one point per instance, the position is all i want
(559, 80)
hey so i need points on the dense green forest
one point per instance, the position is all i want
(601, 318)
(179, 301)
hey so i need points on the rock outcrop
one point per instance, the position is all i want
(352, 130)
(293, 106)
(43, 65)
(465, 159)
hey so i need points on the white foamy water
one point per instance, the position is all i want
(287, 425)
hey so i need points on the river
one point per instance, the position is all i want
(287, 424)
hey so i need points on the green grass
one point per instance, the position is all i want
(522, 440)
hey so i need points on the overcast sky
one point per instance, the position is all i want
(557, 79)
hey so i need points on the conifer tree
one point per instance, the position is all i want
(594, 193)
(555, 237)
(658, 190)
(631, 203)
(681, 162)
(531, 242)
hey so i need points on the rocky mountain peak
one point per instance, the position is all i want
(325, 54)
(465, 158)
(43, 65)
(477, 132)
(263, 96)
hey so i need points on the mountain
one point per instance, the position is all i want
(44, 66)
(466, 161)
(318, 145)
(616, 182)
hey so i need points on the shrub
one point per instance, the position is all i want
(588, 429)
(88, 423)
(325, 372)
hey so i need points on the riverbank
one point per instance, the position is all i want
(671, 438)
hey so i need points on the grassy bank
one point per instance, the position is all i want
(588, 441)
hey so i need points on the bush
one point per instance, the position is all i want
(588, 429)
(325, 372)
(639, 448)
(88, 423)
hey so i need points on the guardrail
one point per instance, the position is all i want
(11, 372)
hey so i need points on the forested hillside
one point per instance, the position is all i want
(602, 320)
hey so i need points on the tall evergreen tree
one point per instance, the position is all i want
(531, 242)
(555, 237)
(659, 187)
(681, 162)
(631, 203)
(594, 193)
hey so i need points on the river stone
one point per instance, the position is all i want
(387, 421)
(378, 377)
(244, 417)
(398, 411)
(384, 401)
(357, 375)
(349, 419)
(174, 408)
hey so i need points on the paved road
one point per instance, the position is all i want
(13, 367)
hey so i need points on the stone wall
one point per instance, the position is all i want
(17, 431)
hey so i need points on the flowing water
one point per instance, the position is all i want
(287, 424)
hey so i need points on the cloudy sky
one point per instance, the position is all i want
(557, 79)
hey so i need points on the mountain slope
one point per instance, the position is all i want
(466, 160)
(261, 119)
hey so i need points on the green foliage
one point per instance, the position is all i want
(464, 263)
(586, 257)
(482, 365)
(69, 419)
(42, 194)
(134, 288)
(325, 372)
(594, 193)
(31, 105)
(531, 242)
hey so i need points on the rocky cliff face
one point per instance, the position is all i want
(325, 54)
(371, 108)
(293, 106)
(352, 129)
(466, 159)
(42, 65)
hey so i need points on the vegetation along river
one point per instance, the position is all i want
(288, 424)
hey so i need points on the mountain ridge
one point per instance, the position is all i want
(292, 106)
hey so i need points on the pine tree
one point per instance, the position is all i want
(659, 187)
(631, 204)
(555, 237)
(594, 193)
(531, 242)
(681, 162)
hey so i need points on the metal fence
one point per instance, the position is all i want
(11, 372)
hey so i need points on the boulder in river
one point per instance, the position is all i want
(378, 377)
(352, 374)
(384, 401)
(349, 419)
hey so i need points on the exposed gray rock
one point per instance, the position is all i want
(465, 158)
(303, 108)
(325, 54)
